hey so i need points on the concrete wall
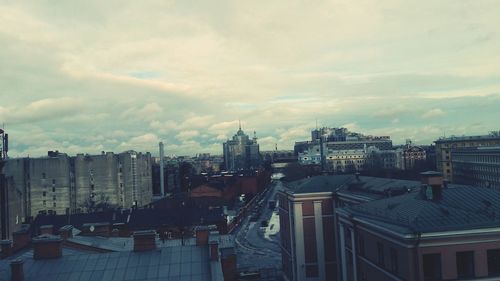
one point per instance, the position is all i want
(49, 184)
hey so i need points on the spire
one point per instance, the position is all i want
(239, 122)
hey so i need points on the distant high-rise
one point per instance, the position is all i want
(242, 152)
(162, 176)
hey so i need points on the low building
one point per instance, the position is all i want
(435, 233)
(478, 166)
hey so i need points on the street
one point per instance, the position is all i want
(258, 247)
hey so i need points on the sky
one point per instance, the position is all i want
(91, 76)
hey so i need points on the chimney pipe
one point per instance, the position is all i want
(434, 182)
(144, 240)
(16, 270)
(202, 233)
(6, 246)
(162, 176)
(47, 246)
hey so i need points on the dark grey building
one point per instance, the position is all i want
(478, 166)
(242, 152)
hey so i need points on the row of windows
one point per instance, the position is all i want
(465, 264)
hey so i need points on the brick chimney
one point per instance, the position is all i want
(202, 233)
(46, 229)
(432, 185)
(66, 232)
(144, 240)
(16, 270)
(21, 237)
(6, 246)
(47, 246)
(213, 245)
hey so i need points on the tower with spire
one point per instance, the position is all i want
(241, 152)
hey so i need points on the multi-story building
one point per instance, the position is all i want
(410, 156)
(62, 184)
(380, 159)
(337, 149)
(445, 145)
(435, 233)
(241, 153)
(308, 231)
(478, 166)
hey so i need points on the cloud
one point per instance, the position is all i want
(187, 135)
(184, 73)
(433, 113)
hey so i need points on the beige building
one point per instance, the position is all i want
(445, 145)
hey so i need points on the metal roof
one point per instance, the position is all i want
(461, 208)
(169, 263)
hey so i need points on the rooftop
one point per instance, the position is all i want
(491, 136)
(169, 263)
(369, 187)
(460, 208)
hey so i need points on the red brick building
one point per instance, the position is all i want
(308, 224)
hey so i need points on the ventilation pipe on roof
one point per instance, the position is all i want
(6, 246)
(144, 240)
(16, 270)
(47, 246)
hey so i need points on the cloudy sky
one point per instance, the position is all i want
(86, 76)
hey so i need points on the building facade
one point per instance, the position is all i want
(444, 147)
(241, 153)
(61, 184)
(308, 225)
(478, 166)
(338, 150)
(410, 157)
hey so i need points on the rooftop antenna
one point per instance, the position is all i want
(316, 123)
(239, 122)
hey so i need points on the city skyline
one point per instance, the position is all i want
(90, 77)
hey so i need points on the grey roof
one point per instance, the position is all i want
(460, 208)
(320, 184)
(369, 187)
(120, 244)
(169, 263)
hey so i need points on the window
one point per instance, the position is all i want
(465, 264)
(44, 203)
(494, 262)
(432, 266)
(394, 261)
(53, 189)
(312, 271)
(43, 175)
(380, 250)
(92, 187)
(54, 198)
(44, 193)
(53, 181)
(54, 204)
(361, 245)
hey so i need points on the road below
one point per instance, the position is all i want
(258, 247)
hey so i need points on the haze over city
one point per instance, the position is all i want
(110, 75)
